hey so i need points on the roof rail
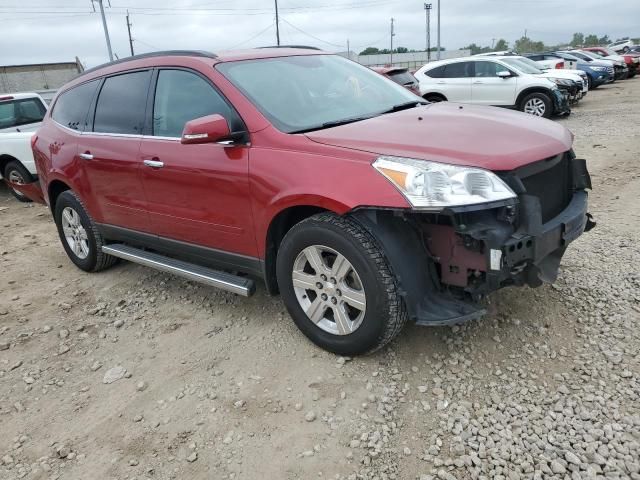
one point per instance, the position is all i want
(161, 53)
(306, 47)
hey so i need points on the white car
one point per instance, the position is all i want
(489, 80)
(20, 116)
(577, 76)
(621, 45)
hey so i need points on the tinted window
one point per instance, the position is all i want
(458, 70)
(488, 69)
(437, 72)
(537, 57)
(121, 103)
(72, 106)
(402, 77)
(21, 112)
(182, 96)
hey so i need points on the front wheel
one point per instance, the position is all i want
(338, 286)
(537, 104)
(14, 172)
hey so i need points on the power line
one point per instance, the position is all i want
(269, 27)
(310, 35)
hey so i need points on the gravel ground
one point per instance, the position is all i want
(131, 373)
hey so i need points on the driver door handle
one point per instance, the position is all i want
(154, 163)
(478, 82)
(86, 156)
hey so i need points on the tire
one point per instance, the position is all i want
(88, 255)
(590, 82)
(625, 50)
(537, 102)
(434, 98)
(15, 172)
(366, 279)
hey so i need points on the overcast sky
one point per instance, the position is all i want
(36, 31)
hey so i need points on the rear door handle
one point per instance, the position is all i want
(478, 82)
(441, 82)
(86, 156)
(154, 163)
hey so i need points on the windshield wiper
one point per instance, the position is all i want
(333, 123)
(404, 106)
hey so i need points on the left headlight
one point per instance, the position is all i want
(434, 186)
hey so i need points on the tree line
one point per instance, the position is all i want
(524, 45)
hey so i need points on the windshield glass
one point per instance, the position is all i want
(592, 55)
(402, 77)
(610, 51)
(21, 112)
(521, 66)
(310, 92)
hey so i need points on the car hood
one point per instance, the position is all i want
(486, 137)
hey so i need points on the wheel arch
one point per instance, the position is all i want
(435, 94)
(530, 90)
(5, 158)
(280, 224)
(54, 189)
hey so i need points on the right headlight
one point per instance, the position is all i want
(599, 69)
(433, 186)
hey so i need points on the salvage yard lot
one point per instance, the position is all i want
(211, 385)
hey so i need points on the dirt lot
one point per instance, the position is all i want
(207, 385)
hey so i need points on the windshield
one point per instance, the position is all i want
(21, 112)
(610, 51)
(310, 92)
(592, 55)
(582, 56)
(521, 66)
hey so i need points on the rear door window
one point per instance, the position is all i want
(121, 103)
(71, 107)
(458, 70)
(182, 96)
(14, 113)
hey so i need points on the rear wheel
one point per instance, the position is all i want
(79, 234)
(537, 104)
(15, 172)
(337, 285)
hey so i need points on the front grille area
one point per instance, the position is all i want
(553, 186)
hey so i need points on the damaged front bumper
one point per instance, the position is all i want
(446, 262)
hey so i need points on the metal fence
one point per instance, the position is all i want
(410, 60)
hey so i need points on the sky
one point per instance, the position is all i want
(35, 31)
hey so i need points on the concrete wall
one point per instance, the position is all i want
(411, 60)
(35, 78)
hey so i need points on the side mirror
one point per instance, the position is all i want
(504, 74)
(209, 129)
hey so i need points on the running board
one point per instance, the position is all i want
(225, 281)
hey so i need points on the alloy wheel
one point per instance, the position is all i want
(16, 177)
(329, 290)
(74, 233)
(535, 106)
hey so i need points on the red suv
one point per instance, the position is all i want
(361, 204)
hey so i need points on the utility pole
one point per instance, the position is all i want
(277, 25)
(493, 42)
(438, 30)
(106, 30)
(392, 35)
(427, 9)
(129, 30)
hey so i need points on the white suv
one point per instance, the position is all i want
(621, 46)
(490, 81)
(20, 116)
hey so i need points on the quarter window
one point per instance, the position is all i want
(121, 104)
(182, 96)
(72, 106)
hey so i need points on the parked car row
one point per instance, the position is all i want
(508, 81)
(363, 205)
